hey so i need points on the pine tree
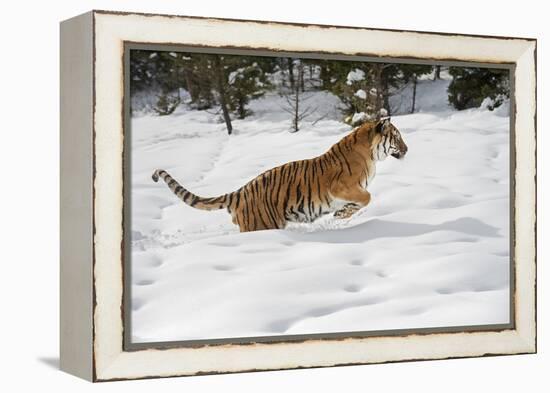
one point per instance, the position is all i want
(140, 70)
(364, 89)
(198, 79)
(351, 83)
(470, 86)
(163, 73)
(166, 104)
(245, 83)
(220, 83)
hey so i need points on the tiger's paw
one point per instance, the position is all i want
(341, 214)
(347, 211)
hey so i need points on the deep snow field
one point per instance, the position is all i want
(431, 250)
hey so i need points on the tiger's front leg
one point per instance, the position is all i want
(347, 211)
(357, 197)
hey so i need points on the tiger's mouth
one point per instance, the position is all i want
(398, 155)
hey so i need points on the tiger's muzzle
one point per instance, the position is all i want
(401, 153)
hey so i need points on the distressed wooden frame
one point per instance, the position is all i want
(92, 189)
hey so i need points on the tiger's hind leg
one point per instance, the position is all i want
(255, 223)
(246, 223)
(254, 213)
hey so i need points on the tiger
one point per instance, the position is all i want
(302, 191)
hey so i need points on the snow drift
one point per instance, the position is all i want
(431, 250)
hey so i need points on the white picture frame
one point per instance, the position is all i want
(92, 195)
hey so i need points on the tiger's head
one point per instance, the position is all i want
(387, 141)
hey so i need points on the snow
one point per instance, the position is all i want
(425, 102)
(361, 94)
(431, 250)
(234, 75)
(359, 117)
(355, 75)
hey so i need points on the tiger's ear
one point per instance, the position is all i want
(382, 124)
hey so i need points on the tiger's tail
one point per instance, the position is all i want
(188, 197)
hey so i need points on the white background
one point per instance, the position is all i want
(29, 210)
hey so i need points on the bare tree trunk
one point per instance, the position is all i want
(386, 95)
(296, 120)
(291, 72)
(220, 85)
(301, 76)
(190, 85)
(241, 108)
(437, 72)
(378, 83)
(325, 76)
(282, 63)
(297, 115)
(415, 81)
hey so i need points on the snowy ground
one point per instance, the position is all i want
(431, 250)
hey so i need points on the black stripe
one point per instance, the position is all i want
(250, 206)
(298, 193)
(252, 215)
(290, 172)
(301, 208)
(260, 216)
(308, 199)
(271, 198)
(320, 162)
(340, 171)
(347, 143)
(292, 175)
(319, 189)
(245, 206)
(264, 194)
(334, 157)
(277, 185)
(344, 158)
(238, 198)
(270, 211)
(230, 200)
(285, 171)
